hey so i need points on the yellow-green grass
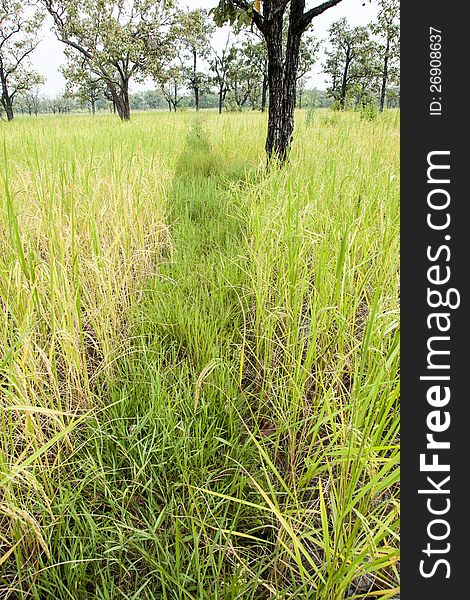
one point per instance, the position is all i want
(199, 367)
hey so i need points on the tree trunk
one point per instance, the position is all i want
(384, 77)
(282, 84)
(8, 110)
(283, 67)
(93, 106)
(122, 106)
(120, 95)
(275, 84)
(195, 81)
(221, 100)
(6, 98)
(344, 83)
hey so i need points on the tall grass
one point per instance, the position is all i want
(199, 376)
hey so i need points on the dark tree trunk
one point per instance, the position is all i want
(123, 107)
(120, 96)
(6, 97)
(8, 110)
(93, 106)
(384, 77)
(282, 83)
(195, 81)
(344, 82)
(221, 100)
(175, 97)
(275, 84)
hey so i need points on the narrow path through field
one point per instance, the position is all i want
(134, 512)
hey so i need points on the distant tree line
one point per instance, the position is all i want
(33, 103)
(264, 64)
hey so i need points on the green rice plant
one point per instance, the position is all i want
(199, 374)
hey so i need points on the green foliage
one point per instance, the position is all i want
(352, 63)
(363, 68)
(227, 11)
(193, 30)
(81, 82)
(245, 75)
(192, 33)
(220, 65)
(118, 40)
(387, 28)
(18, 39)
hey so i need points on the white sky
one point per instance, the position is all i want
(49, 55)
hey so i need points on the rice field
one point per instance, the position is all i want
(199, 358)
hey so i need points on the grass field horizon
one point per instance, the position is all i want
(199, 376)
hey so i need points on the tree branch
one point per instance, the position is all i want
(73, 44)
(258, 18)
(19, 59)
(314, 12)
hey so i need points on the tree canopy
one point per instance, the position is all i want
(18, 39)
(119, 40)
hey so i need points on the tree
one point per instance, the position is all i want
(118, 39)
(193, 30)
(172, 85)
(18, 40)
(365, 88)
(81, 82)
(254, 47)
(29, 101)
(349, 58)
(60, 104)
(283, 56)
(150, 99)
(244, 77)
(388, 29)
(307, 57)
(220, 64)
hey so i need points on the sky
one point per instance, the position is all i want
(49, 55)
